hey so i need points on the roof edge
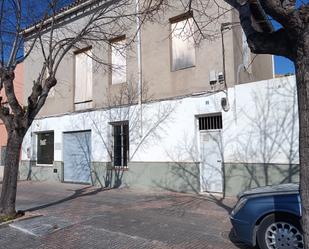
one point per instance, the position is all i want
(64, 12)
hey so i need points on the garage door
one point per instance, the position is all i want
(77, 156)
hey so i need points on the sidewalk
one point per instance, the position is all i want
(79, 216)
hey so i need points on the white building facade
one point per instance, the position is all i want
(223, 142)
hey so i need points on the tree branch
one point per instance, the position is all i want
(276, 43)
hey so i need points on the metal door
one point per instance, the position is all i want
(77, 157)
(211, 161)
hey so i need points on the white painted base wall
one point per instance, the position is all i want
(260, 127)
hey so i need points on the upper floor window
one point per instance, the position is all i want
(83, 79)
(118, 60)
(182, 42)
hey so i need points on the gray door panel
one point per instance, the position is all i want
(211, 161)
(77, 156)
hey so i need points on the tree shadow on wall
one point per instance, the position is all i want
(268, 136)
(146, 122)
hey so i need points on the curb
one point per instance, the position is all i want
(24, 217)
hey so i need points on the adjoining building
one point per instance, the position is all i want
(19, 91)
(169, 115)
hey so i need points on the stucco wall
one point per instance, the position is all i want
(260, 128)
(242, 176)
(152, 176)
(29, 170)
(156, 64)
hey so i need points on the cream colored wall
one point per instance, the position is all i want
(156, 58)
(62, 101)
(157, 74)
(260, 66)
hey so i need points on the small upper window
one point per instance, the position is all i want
(45, 146)
(182, 42)
(118, 60)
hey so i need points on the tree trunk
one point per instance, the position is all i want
(302, 78)
(9, 185)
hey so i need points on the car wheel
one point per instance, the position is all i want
(278, 232)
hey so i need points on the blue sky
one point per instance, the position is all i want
(284, 65)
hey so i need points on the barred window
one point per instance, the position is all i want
(213, 122)
(121, 143)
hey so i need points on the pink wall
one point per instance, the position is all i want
(18, 86)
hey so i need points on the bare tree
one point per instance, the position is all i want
(146, 121)
(48, 36)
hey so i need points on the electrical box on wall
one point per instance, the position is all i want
(221, 77)
(212, 77)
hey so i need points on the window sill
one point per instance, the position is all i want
(44, 165)
(181, 69)
(120, 168)
(82, 106)
(118, 83)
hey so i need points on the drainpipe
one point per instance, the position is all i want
(224, 102)
(240, 67)
(139, 64)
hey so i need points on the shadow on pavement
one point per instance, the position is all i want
(86, 191)
(237, 243)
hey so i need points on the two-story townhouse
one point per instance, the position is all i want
(18, 86)
(159, 115)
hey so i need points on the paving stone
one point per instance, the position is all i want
(81, 217)
(41, 226)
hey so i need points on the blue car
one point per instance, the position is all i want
(269, 217)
